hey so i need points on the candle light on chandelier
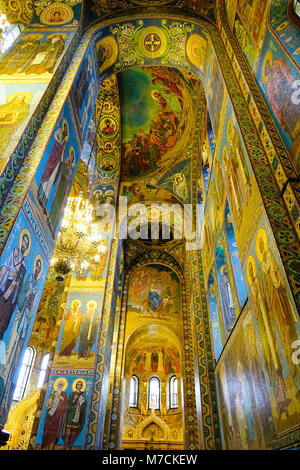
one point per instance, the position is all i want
(79, 246)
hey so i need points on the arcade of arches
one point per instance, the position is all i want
(149, 225)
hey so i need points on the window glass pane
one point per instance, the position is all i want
(9, 35)
(28, 356)
(23, 374)
(174, 392)
(43, 370)
(133, 392)
(154, 393)
(297, 7)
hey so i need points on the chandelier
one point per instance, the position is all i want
(79, 246)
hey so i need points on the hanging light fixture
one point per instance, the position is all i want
(79, 247)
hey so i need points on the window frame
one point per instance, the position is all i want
(296, 8)
(152, 379)
(173, 403)
(134, 403)
(24, 374)
(43, 370)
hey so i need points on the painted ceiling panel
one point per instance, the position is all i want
(157, 120)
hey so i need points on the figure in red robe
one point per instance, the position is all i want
(56, 407)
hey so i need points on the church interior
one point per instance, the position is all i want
(149, 225)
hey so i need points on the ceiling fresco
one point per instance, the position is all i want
(147, 337)
(62, 12)
(103, 7)
(17, 11)
(157, 119)
(152, 346)
(157, 122)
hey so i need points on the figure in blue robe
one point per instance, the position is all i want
(154, 300)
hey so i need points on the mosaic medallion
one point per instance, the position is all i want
(57, 14)
(152, 42)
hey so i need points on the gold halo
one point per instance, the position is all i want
(76, 300)
(251, 260)
(72, 149)
(38, 257)
(64, 121)
(111, 43)
(222, 268)
(27, 95)
(60, 379)
(67, 11)
(31, 37)
(268, 58)
(261, 235)
(23, 232)
(76, 382)
(195, 40)
(11, 7)
(90, 302)
(178, 179)
(63, 35)
(154, 97)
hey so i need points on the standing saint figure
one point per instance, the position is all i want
(81, 86)
(238, 163)
(226, 300)
(46, 56)
(22, 52)
(12, 274)
(154, 296)
(283, 312)
(75, 414)
(26, 305)
(62, 191)
(281, 88)
(56, 407)
(269, 344)
(54, 164)
(232, 185)
(72, 322)
(88, 330)
(13, 113)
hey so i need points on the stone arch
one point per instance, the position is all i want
(153, 419)
(247, 126)
(194, 440)
(237, 98)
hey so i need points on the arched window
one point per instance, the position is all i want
(9, 34)
(173, 392)
(43, 370)
(296, 7)
(24, 374)
(133, 392)
(154, 393)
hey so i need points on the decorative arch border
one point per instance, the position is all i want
(268, 156)
(156, 420)
(191, 425)
(166, 326)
